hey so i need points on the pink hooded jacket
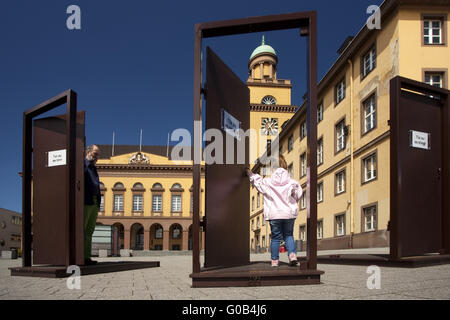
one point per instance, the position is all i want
(281, 194)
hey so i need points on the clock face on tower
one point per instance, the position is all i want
(269, 126)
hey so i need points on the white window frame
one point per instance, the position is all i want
(340, 225)
(370, 212)
(340, 182)
(138, 201)
(320, 151)
(303, 165)
(428, 36)
(340, 91)
(340, 136)
(118, 202)
(370, 113)
(370, 61)
(102, 203)
(303, 130)
(320, 192)
(157, 205)
(431, 82)
(303, 201)
(303, 233)
(370, 168)
(320, 112)
(176, 203)
(320, 229)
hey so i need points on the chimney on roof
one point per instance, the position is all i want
(345, 44)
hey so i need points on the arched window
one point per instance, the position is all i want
(157, 186)
(268, 100)
(138, 185)
(176, 232)
(119, 185)
(158, 232)
(176, 186)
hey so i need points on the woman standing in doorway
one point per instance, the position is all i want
(281, 196)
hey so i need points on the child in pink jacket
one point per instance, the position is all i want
(281, 196)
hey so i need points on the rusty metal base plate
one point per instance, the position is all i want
(255, 274)
(43, 271)
(384, 260)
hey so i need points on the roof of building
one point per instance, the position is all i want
(263, 49)
(6, 211)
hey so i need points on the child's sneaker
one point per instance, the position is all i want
(293, 260)
(275, 263)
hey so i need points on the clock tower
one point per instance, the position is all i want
(270, 97)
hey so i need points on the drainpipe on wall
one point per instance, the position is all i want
(352, 164)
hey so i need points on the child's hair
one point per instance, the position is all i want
(282, 162)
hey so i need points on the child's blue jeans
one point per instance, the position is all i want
(282, 229)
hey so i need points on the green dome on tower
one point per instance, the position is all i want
(263, 48)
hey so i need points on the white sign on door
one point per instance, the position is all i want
(56, 158)
(419, 140)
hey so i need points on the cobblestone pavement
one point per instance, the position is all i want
(171, 281)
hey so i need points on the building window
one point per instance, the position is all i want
(258, 200)
(340, 92)
(268, 100)
(320, 151)
(176, 197)
(157, 203)
(291, 143)
(303, 201)
(253, 224)
(176, 232)
(340, 136)
(102, 203)
(303, 130)
(257, 223)
(192, 203)
(370, 218)
(320, 192)
(320, 229)
(369, 62)
(118, 190)
(302, 233)
(118, 202)
(269, 147)
(159, 232)
(176, 203)
(320, 113)
(137, 202)
(370, 114)
(291, 170)
(303, 165)
(340, 225)
(435, 79)
(340, 182)
(253, 203)
(369, 168)
(433, 31)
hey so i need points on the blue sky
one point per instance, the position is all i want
(132, 63)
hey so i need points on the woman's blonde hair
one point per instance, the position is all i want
(282, 162)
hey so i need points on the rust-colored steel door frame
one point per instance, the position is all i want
(306, 22)
(69, 98)
(398, 84)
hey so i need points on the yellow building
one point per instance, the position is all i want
(353, 128)
(147, 196)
